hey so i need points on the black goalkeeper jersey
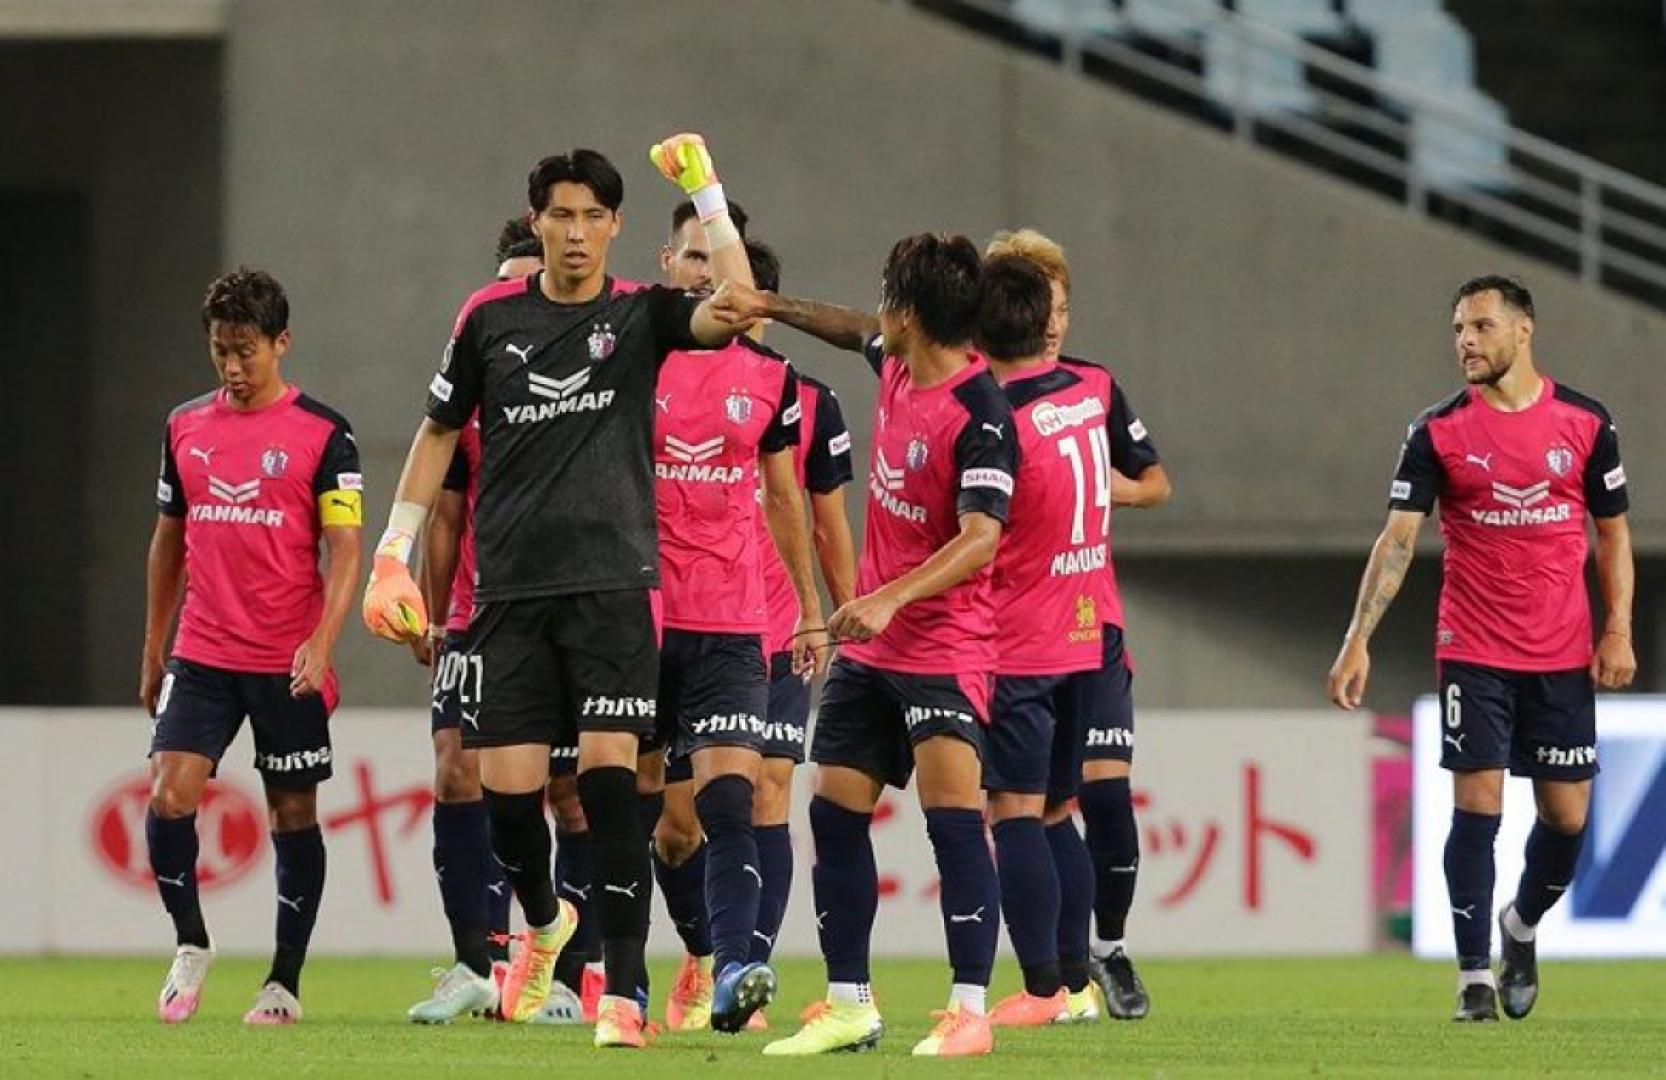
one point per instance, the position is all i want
(566, 400)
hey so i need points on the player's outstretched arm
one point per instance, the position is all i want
(1150, 488)
(971, 550)
(784, 513)
(841, 327)
(1615, 662)
(393, 607)
(685, 160)
(311, 666)
(1391, 555)
(164, 585)
(835, 547)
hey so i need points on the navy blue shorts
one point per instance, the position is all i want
(1538, 724)
(1023, 731)
(200, 709)
(871, 719)
(789, 710)
(1095, 712)
(713, 691)
(549, 667)
(456, 690)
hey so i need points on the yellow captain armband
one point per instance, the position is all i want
(345, 508)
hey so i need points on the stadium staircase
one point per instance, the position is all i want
(1384, 93)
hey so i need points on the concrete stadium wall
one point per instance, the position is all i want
(1275, 327)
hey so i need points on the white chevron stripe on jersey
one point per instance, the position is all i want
(686, 451)
(236, 494)
(891, 479)
(1523, 497)
(544, 386)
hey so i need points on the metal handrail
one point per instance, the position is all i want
(1590, 241)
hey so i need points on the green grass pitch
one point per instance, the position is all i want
(1378, 1016)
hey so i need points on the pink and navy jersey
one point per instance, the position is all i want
(255, 489)
(1055, 586)
(821, 461)
(1514, 489)
(464, 475)
(937, 452)
(714, 413)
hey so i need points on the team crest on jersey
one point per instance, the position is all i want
(916, 455)
(602, 341)
(274, 461)
(1560, 460)
(738, 407)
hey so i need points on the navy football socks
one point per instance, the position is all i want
(1030, 900)
(300, 872)
(1114, 845)
(1469, 883)
(684, 889)
(775, 861)
(462, 838)
(846, 882)
(1075, 870)
(733, 882)
(173, 859)
(573, 883)
(620, 870)
(970, 897)
(1552, 858)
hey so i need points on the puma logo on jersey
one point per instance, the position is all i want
(664, 403)
(998, 429)
(198, 452)
(1476, 459)
(522, 351)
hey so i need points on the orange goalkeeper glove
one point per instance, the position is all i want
(393, 607)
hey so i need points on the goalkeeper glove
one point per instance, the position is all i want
(393, 607)
(684, 160)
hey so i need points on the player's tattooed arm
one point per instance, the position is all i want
(841, 327)
(164, 587)
(1385, 571)
(1615, 662)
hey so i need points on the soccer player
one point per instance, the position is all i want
(910, 687)
(1094, 752)
(723, 420)
(473, 889)
(561, 366)
(254, 476)
(1050, 587)
(1517, 463)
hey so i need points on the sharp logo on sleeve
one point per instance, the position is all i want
(562, 396)
(350, 481)
(839, 444)
(1136, 431)
(440, 387)
(1614, 478)
(793, 415)
(1400, 489)
(993, 479)
(164, 491)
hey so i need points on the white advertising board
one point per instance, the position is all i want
(1254, 831)
(1617, 903)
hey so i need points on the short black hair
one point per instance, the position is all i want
(517, 241)
(1511, 290)
(245, 297)
(585, 167)
(935, 276)
(766, 265)
(1016, 303)
(685, 210)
